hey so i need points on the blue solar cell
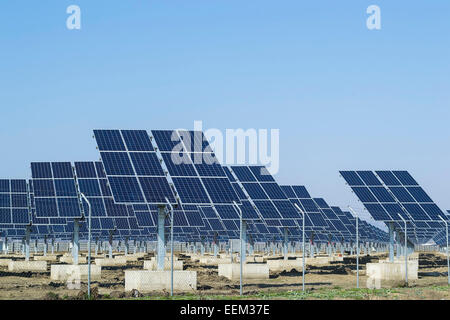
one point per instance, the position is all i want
(106, 191)
(167, 140)
(100, 169)
(190, 190)
(286, 209)
(416, 212)
(41, 170)
(405, 178)
(267, 209)
(5, 216)
(220, 190)
(62, 170)
(227, 212)
(46, 207)
(321, 203)
(44, 188)
(262, 174)
(85, 170)
(137, 140)
(19, 200)
(5, 200)
(89, 187)
(65, 188)
(179, 164)
(109, 140)
(20, 216)
(126, 189)
(402, 194)
(215, 224)
(114, 209)
(69, 207)
(248, 212)
(156, 189)
(237, 189)
(388, 178)
(243, 173)
(419, 194)
(230, 225)
(229, 174)
(378, 212)
(5, 186)
(308, 205)
(369, 178)
(289, 192)
(117, 164)
(364, 194)
(273, 190)
(382, 194)
(194, 219)
(210, 170)
(395, 211)
(146, 164)
(301, 192)
(433, 211)
(19, 186)
(351, 178)
(255, 191)
(208, 212)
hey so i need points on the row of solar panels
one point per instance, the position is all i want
(138, 181)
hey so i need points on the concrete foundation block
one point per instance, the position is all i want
(107, 262)
(36, 266)
(69, 259)
(152, 265)
(257, 271)
(63, 272)
(147, 281)
(284, 265)
(390, 271)
(50, 258)
(213, 261)
(5, 262)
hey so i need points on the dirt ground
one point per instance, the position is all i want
(334, 277)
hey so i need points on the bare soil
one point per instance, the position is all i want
(431, 284)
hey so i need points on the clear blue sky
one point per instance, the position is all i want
(342, 96)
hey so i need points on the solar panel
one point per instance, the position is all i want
(55, 190)
(132, 167)
(14, 202)
(392, 195)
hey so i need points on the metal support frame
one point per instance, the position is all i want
(76, 241)
(242, 248)
(303, 246)
(391, 241)
(110, 243)
(406, 249)
(27, 243)
(285, 244)
(171, 246)
(448, 260)
(89, 245)
(357, 247)
(161, 250)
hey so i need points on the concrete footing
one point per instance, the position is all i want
(49, 258)
(5, 262)
(69, 259)
(114, 262)
(152, 265)
(249, 271)
(36, 266)
(63, 272)
(147, 281)
(377, 273)
(284, 265)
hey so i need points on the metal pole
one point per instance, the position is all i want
(161, 241)
(357, 247)
(76, 230)
(241, 248)
(448, 260)
(27, 243)
(171, 246)
(303, 246)
(406, 253)
(89, 245)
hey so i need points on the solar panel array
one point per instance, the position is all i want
(14, 206)
(55, 190)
